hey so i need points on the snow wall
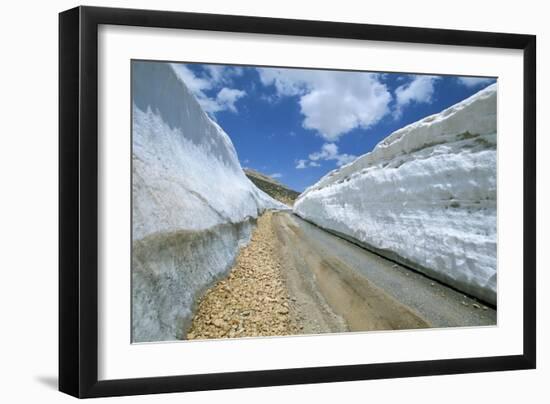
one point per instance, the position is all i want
(425, 196)
(192, 205)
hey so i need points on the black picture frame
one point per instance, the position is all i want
(78, 200)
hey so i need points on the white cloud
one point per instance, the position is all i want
(332, 102)
(213, 77)
(329, 151)
(304, 163)
(301, 164)
(216, 73)
(471, 82)
(276, 175)
(227, 97)
(420, 90)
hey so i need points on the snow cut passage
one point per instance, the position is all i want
(192, 205)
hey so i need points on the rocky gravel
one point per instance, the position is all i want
(253, 300)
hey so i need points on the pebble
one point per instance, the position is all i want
(219, 323)
(253, 299)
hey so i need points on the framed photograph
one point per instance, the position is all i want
(251, 201)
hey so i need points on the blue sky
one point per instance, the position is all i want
(298, 124)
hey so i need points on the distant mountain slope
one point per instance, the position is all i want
(272, 187)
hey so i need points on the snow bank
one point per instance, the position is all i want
(192, 205)
(425, 196)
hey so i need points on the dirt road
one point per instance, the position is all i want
(295, 278)
(368, 291)
(253, 300)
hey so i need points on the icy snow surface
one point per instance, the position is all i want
(192, 205)
(425, 196)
